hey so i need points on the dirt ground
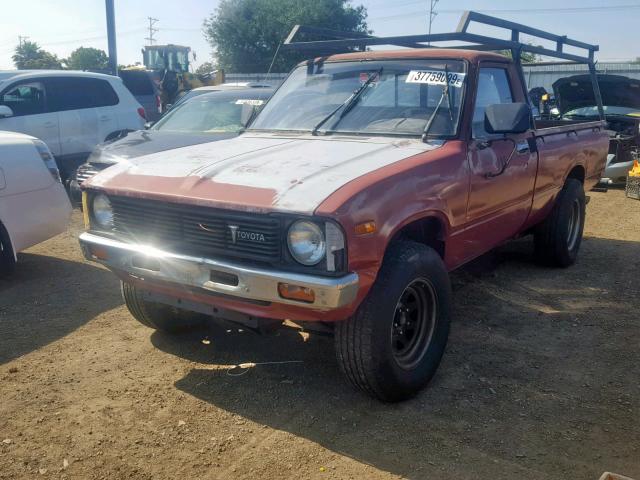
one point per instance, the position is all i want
(540, 379)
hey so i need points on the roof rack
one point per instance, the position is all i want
(340, 42)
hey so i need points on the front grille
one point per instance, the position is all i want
(88, 170)
(198, 230)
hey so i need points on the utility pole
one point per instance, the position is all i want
(21, 39)
(152, 22)
(432, 14)
(111, 37)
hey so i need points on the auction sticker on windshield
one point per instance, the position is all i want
(435, 77)
(249, 101)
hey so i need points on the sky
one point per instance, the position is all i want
(60, 26)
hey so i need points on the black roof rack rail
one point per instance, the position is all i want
(340, 42)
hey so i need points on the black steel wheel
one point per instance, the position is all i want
(414, 323)
(558, 238)
(392, 346)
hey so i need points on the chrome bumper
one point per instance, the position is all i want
(252, 283)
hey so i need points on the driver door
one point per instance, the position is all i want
(502, 167)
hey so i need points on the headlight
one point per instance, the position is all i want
(102, 211)
(306, 242)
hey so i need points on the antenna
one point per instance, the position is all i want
(152, 22)
(22, 39)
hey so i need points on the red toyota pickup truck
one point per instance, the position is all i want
(365, 179)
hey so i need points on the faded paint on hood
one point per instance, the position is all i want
(260, 172)
(145, 142)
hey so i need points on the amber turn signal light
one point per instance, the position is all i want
(296, 292)
(85, 211)
(365, 228)
(98, 253)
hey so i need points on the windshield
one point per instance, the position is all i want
(399, 99)
(215, 113)
(592, 111)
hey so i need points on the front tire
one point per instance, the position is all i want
(7, 256)
(158, 316)
(393, 344)
(557, 239)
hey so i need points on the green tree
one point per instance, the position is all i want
(29, 55)
(87, 58)
(205, 68)
(246, 33)
(526, 57)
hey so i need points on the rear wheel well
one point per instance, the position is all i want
(428, 231)
(578, 173)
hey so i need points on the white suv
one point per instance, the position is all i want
(33, 203)
(70, 111)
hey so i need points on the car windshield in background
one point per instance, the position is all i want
(592, 111)
(189, 95)
(213, 113)
(399, 98)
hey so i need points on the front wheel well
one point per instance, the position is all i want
(429, 231)
(578, 173)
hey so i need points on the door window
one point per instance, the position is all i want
(25, 99)
(75, 93)
(493, 88)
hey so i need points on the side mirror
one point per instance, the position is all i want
(5, 111)
(507, 118)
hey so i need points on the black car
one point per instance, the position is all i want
(203, 118)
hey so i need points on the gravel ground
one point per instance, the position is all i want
(540, 379)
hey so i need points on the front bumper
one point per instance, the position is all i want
(216, 276)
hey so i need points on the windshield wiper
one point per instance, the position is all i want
(349, 103)
(445, 94)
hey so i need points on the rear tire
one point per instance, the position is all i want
(7, 256)
(557, 239)
(158, 316)
(393, 344)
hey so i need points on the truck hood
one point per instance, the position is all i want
(256, 172)
(145, 142)
(577, 92)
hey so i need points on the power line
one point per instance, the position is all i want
(432, 14)
(571, 10)
(152, 22)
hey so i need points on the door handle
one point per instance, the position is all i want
(105, 118)
(49, 124)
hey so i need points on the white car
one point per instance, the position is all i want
(70, 111)
(33, 203)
